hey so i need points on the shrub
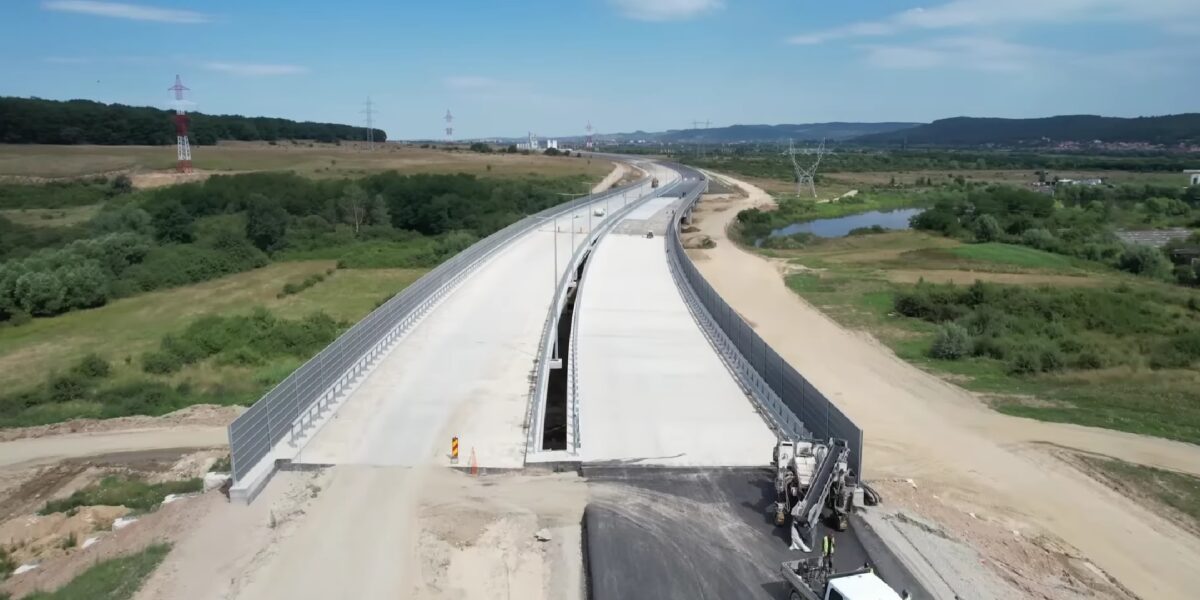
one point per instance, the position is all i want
(1040, 239)
(987, 229)
(1024, 362)
(1144, 260)
(951, 342)
(160, 363)
(119, 490)
(93, 366)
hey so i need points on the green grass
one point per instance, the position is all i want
(119, 490)
(1178, 491)
(851, 284)
(315, 160)
(113, 579)
(52, 217)
(1018, 256)
(130, 326)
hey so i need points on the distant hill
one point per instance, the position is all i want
(37, 121)
(734, 134)
(972, 131)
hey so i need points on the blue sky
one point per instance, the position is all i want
(505, 68)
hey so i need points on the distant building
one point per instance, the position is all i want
(1156, 238)
(1089, 181)
(552, 144)
(1194, 175)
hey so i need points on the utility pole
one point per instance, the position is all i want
(370, 112)
(183, 148)
(700, 140)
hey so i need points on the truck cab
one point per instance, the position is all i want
(810, 581)
(864, 586)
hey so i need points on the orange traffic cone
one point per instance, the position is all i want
(474, 462)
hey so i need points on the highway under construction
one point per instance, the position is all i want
(674, 452)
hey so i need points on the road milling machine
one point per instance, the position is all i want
(813, 482)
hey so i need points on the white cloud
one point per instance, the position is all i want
(254, 69)
(969, 53)
(120, 10)
(665, 10)
(980, 14)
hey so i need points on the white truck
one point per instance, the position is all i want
(810, 580)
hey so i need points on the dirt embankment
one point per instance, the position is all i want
(921, 427)
(199, 415)
(63, 544)
(618, 172)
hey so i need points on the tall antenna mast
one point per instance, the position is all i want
(700, 141)
(449, 124)
(183, 149)
(370, 112)
(806, 175)
(591, 141)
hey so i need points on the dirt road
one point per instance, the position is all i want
(919, 426)
(619, 170)
(385, 532)
(45, 450)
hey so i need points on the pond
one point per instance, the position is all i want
(841, 226)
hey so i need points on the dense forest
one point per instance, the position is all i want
(171, 236)
(971, 131)
(37, 121)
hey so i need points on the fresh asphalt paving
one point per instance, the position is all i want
(701, 533)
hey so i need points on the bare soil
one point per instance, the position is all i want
(919, 426)
(197, 415)
(55, 542)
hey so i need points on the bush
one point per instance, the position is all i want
(987, 229)
(951, 342)
(119, 490)
(93, 366)
(1144, 260)
(161, 363)
(1024, 362)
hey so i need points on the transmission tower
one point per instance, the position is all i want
(449, 125)
(183, 149)
(700, 141)
(369, 111)
(591, 141)
(806, 175)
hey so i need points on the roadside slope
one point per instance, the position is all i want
(919, 426)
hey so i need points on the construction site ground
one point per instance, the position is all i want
(704, 533)
(980, 481)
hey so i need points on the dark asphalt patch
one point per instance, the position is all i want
(694, 534)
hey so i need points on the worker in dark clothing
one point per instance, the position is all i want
(828, 546)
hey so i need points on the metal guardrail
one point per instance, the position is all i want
(791, 404)
(537, 403)
(293, 406)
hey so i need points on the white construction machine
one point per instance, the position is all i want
(813, 483)
(812, 480)
(810, 580)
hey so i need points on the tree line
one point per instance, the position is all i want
(38, 121)
(171, 236)
(1079, 221)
